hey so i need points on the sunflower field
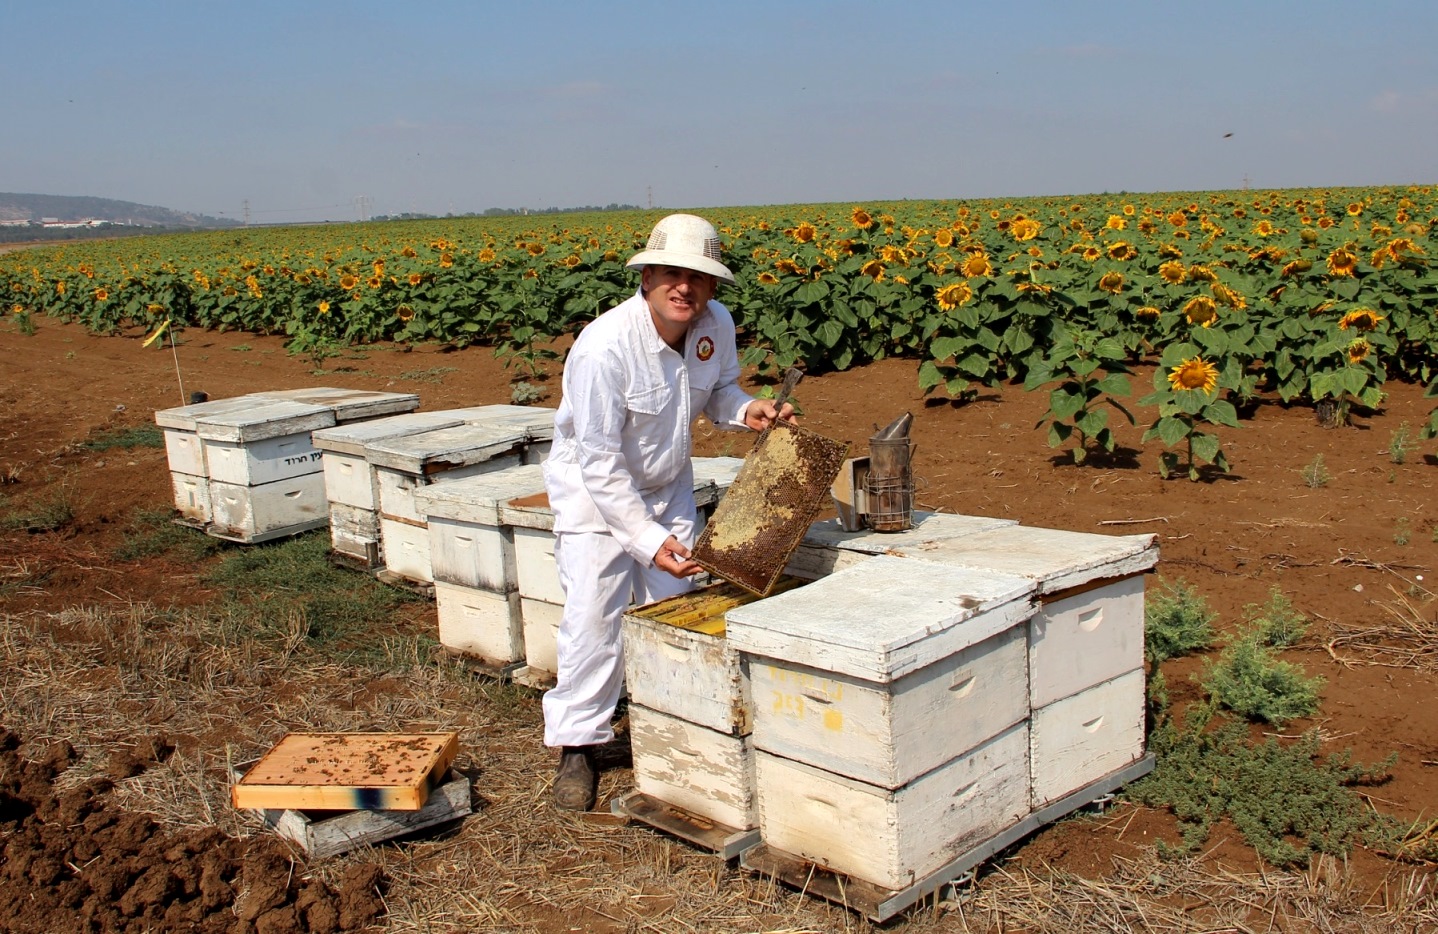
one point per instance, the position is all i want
(1316, 296)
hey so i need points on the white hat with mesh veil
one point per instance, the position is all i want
(686, 241)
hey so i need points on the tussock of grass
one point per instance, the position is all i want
(1250, 679)
(140, 436)
(47, 514)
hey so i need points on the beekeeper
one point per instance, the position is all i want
(619, 474)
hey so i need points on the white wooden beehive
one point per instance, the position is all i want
(183, 449)
(271, 510)
(191, 497)
(349, 405)
(893, 837)
(349, 478)
(480, 624)
(1085, 736)
(677, 660)
(540, 622)
(887, 734)
(267, 442)
(468, 543)
(827, 547)
(708, 773)
(354, 532)
(1089, 627)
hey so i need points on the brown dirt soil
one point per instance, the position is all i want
(1344, 552)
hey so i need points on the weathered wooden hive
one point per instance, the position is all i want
(246, 469)
(890, 714)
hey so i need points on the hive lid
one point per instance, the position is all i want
(478, 499)
(721, 470)
(444, 448)
(265, 418)
(353, 437)
(882, 619)
(348, 771)
(929, 527)
(1056, 560)
(537, 421)
(183, 417)
(349, 404)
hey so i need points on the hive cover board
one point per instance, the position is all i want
(763, 518)
(348, 771)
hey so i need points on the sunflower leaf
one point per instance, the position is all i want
(1205, 447)
(1172, 430)
(1063, 403)
(1221, 412)
(1093, 422)
(929, 376)
(1191, 401)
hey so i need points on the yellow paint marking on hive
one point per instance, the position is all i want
(833, 720)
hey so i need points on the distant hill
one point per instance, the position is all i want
(65, 208)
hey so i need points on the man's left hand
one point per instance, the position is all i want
(761, 413)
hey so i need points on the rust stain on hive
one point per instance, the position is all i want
(774, 497)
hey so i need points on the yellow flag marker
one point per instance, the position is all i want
(158, 331)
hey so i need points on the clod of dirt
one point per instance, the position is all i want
(76, 861)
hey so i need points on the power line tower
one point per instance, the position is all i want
(649, 193)
(362, 204)
(247, 212)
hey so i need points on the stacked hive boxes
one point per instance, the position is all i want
(491, 552)
(404, 463)
(1085, 645)
(351, 481)
(245, 468)
(890, 715)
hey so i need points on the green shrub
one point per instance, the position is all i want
(1177, 621)
(1277, 623)
(1287, 803)
(141, 436)
(1252, 681)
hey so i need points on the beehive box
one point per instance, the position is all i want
(183, 449)
(677, 660)
(405, 463)
(851, 672)
(469, 544)
(349, 479)
(349, 405)
(893, 837)
(708, 774)
(827, 547)
(1085, 736)
(253, 514)
(1089, 627)
(481, 625)
(540, 621)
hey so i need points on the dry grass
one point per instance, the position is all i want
(1410, 640)
(103, 678)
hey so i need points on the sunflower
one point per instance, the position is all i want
(1115, 222)
(375, 282)
(890, 254)
(1169, 251)
(1354, 209)
(1358, 349)
(873, 269)
(531, 274)
(805, 232)
(861, 218)
(1178, 219)
(348, 282)
(1111, 282)
(155, 309)
(1201, 273)
(1128, 210)
(610, 256)
(1264, 228)
(953, 295)
(1121, 250)
(1201, 310)
(379, 267)
(1091, 253)
(1228, 297)
(1296, 267)
(1172, 272)
(1025, 229)
(1342, 262)
(1194, 373)
(415, 278)
(1324, 223)
(768, 278)
(404, 312)
(977, 265)
(408, 252)
(1147, 313)
(1147, 226)
(446, 260)
(324, 307)
(944, 237)
(101, 294)
(788, 267)
(1361, 319)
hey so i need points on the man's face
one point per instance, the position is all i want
(676, 297)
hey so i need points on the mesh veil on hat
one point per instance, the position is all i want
(686, 241)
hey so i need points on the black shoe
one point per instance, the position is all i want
(577, 781)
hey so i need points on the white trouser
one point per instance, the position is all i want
(599, 578)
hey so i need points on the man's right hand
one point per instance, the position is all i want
(673, 557)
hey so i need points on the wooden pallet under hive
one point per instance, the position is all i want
(348, 771)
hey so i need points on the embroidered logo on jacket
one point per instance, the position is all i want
(705, 348)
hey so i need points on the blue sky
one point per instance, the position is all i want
(301, 108)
